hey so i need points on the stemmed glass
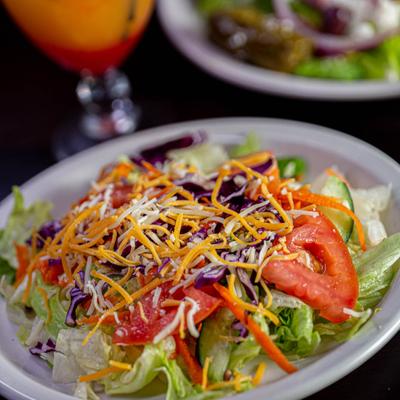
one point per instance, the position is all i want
(91, 37)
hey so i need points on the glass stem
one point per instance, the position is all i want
(109, 111)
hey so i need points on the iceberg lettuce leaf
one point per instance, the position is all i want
(296, 334)
(57, 311)
(72, 359)
(20, 224)
(376, 268)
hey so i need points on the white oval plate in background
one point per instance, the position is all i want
(24, 376)
(186, 29)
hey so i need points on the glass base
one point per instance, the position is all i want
(108, 112)
(72, 136)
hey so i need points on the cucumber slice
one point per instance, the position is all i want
(212, 344)
(334, 187)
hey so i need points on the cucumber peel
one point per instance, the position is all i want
(334, 187)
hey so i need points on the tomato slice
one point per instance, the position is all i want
(330, 291)
(50, 272)
(139, 330)
(121, 195)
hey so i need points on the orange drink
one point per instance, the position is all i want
(83, 34)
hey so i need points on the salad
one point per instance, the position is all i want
(188, 268)
(326, 39)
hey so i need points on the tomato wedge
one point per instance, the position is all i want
(330, 291)
(50, 272)
(121, 195)
(139, 330)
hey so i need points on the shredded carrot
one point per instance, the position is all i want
(123, 169)
(262, 338)
(98, 375)
(160, 193)
(193, 367)
(151, 168)
(23, 261)
(326, 201)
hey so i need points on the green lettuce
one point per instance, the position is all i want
(144, 371)
(337, 68)
(296, 335)
(292, 167)
(58, 312)
(155, 359)
(376, 268)
(344, 331)
(20, 224)
(249, 349)
(250, 145)
(382, 62)
(7, 271)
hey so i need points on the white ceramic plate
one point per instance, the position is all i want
(186, 29)
(24, 376)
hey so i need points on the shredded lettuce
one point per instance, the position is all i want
(206, 157)
(72, 359)
(250, 145)
(296, 334)
(20, 224)
(57, 311)
(376, 268)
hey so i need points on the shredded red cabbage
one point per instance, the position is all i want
(238, 326)
(47, 230)
(77, 297)
(158, 154)
(248, 286)
(210, 276)
(41, 348)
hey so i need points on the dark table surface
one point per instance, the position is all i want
(36, 95)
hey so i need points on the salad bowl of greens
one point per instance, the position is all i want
(327, 49)
(123, 325)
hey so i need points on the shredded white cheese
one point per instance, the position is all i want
(190, 315)
(156, 296)
(172, 326)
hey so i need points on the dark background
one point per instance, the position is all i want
(36, 95)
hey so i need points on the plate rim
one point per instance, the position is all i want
(366, 349)
(223, 66)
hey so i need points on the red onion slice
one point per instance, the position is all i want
(328, 44)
